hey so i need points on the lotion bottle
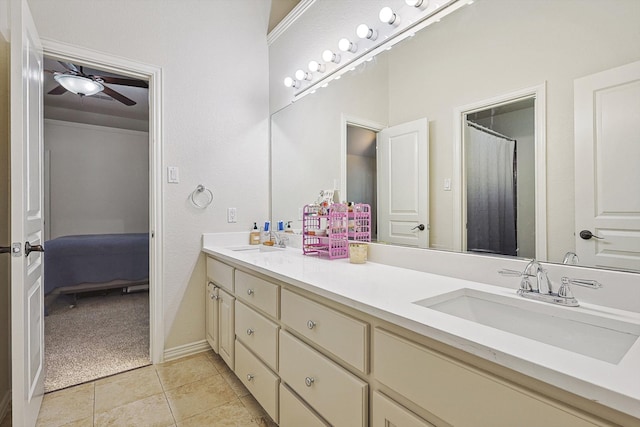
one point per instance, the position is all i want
(254, 236)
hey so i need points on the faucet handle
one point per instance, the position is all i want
(593, 284)
(507, 272)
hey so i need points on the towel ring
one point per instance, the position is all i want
(200, 192)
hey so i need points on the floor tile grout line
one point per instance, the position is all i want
(164, 393)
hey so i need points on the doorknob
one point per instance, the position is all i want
(28, 248)
(586, 235)
(419, 227)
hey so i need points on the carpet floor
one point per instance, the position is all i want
(104, 334)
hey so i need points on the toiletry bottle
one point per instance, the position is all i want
(288, 229)
(266, 233)
(254, 236)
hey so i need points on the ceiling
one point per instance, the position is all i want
(280, 9)
(66, 105)
(101, 109)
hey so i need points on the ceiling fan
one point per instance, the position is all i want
(75, 80)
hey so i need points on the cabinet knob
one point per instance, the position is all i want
(249, 291)
(250, 331)
(213, 296)
(250, 377)
(311, 324)
(309, 381)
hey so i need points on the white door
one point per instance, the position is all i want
(607, 176)
(27, 322)
(403, 184)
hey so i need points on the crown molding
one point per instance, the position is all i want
(288, 20)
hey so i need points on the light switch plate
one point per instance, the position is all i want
(447, 184)
(173, 175)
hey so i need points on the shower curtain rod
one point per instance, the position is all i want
(489, 131)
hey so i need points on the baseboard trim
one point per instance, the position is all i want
(186, 350)
(5, 404)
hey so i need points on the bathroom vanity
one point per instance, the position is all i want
(321, 342)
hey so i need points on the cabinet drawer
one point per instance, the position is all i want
(258, 333)
(337, 395)
(220, 273)
(458, 393)
(257, 292)
(387, 413)
(295, 413)
(344, 336)
(258, 379)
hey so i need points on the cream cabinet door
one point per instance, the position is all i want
(337, 395)
(460, 394)
(211, 313)
(387, 413)
(295, 413)
(227, 331)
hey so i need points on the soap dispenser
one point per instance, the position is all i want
(254, 236)
(288, 229)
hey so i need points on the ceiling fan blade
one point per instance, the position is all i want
(59, 90)
(69, 66)
(123, 81)
(118, 96)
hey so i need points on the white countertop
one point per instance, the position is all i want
(388, 293)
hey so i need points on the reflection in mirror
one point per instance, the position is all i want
(499, 179)
(480, 52)
(361, 170)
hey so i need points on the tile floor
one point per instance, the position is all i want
(198, 390)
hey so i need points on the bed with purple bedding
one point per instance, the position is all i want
(75, 264)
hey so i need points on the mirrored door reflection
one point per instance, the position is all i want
(499, 168)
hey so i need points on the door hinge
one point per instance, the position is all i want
(16, 249)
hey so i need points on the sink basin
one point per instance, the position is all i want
(594, 336)
(256, 248)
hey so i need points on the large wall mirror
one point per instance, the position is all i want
(496, 70)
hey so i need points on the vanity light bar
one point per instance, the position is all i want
(419, 14)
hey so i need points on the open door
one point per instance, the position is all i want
(607, 177)
(403, 184)
(27, 322)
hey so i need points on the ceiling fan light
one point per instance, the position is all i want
(78, 84)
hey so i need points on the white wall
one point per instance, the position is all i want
(99, 179)
(214, 61)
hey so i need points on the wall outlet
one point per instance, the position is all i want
(232, 215)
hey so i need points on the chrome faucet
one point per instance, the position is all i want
(542, 289)
(281, 241)
(571, 258)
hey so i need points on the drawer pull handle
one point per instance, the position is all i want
(250, 292)
(311, 324)
(250, 331)
(309, 381)
(250, 377)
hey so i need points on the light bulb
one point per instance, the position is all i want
(388, 16)
(289, 82)
(303, 75)
(329, 56)
(347, 46)
(364, 32)
(315, 66)
(417, 3)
